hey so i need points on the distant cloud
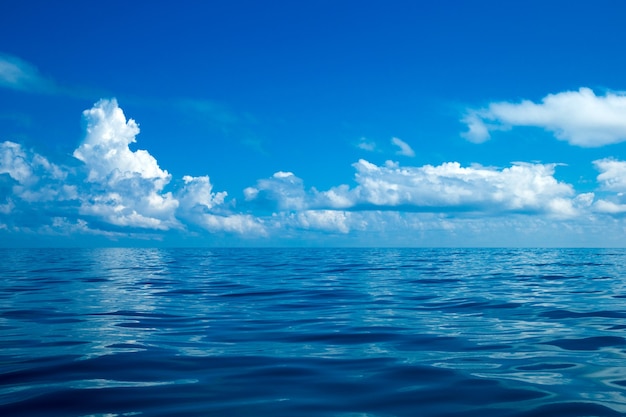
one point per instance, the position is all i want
(405, 149)
(367, 145)
(578, 117)
(34, 178)
(20, 75)
(520, 188)
(114, 192)
(282, 191)
(612, 179)
(324, 220)
(612, 174)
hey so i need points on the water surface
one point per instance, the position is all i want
(312, 332)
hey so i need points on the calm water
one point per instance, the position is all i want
(312, 332)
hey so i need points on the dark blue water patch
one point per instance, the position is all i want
(588, 343)
(41, 315)
(572, 409)
(347, 338)
(566, 314)
(546, 366)
(560, 277)
(435, 281)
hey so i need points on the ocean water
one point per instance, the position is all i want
(312, 332)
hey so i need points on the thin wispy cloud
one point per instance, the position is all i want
(19, 75)
(580, 118)
(405, 149)
(367, 145)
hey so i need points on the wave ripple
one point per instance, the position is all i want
(312, 332)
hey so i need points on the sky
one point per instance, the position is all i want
(313, 123)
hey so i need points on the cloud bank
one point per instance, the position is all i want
(113, 191)
(580, 118)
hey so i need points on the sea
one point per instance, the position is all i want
(113, 332)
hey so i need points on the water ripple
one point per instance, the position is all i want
(311, 332)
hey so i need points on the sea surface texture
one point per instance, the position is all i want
(312, 332)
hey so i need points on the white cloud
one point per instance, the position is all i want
(324, 220)
(15, 162)
(198, 192)
(451, 187)
(243, 224)
(579, 117)
(405, 149)
(119, 193)
(105, 148)
(612, 180)
(127, 187)
(201, 206)
(283, 188)
(367, 145)
(609, 207)
(37, 179)
(20, 75)
(612, 174)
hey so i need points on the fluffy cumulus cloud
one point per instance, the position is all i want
(401, 197)
(28, 177)
(283, 191)
(451, 187)
(113, 191)
(612, 179)
(612, 175)
(580, 117)
(127, 186)
(324, 220)
(115, 188)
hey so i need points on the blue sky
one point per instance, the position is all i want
(335, 123)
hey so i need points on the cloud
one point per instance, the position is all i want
(127, 187)
(282, 191)
(367, 145)
(451, 187)
(405, 149)
(612, 180)
(243, 224)
(324, 220)
(34, 178)
(115, 193)
(19, 75)
(198, 193)
(578, 117)
(201, 206)
(612, 174)
(105, 149)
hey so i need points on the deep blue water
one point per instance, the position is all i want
(312, 332)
